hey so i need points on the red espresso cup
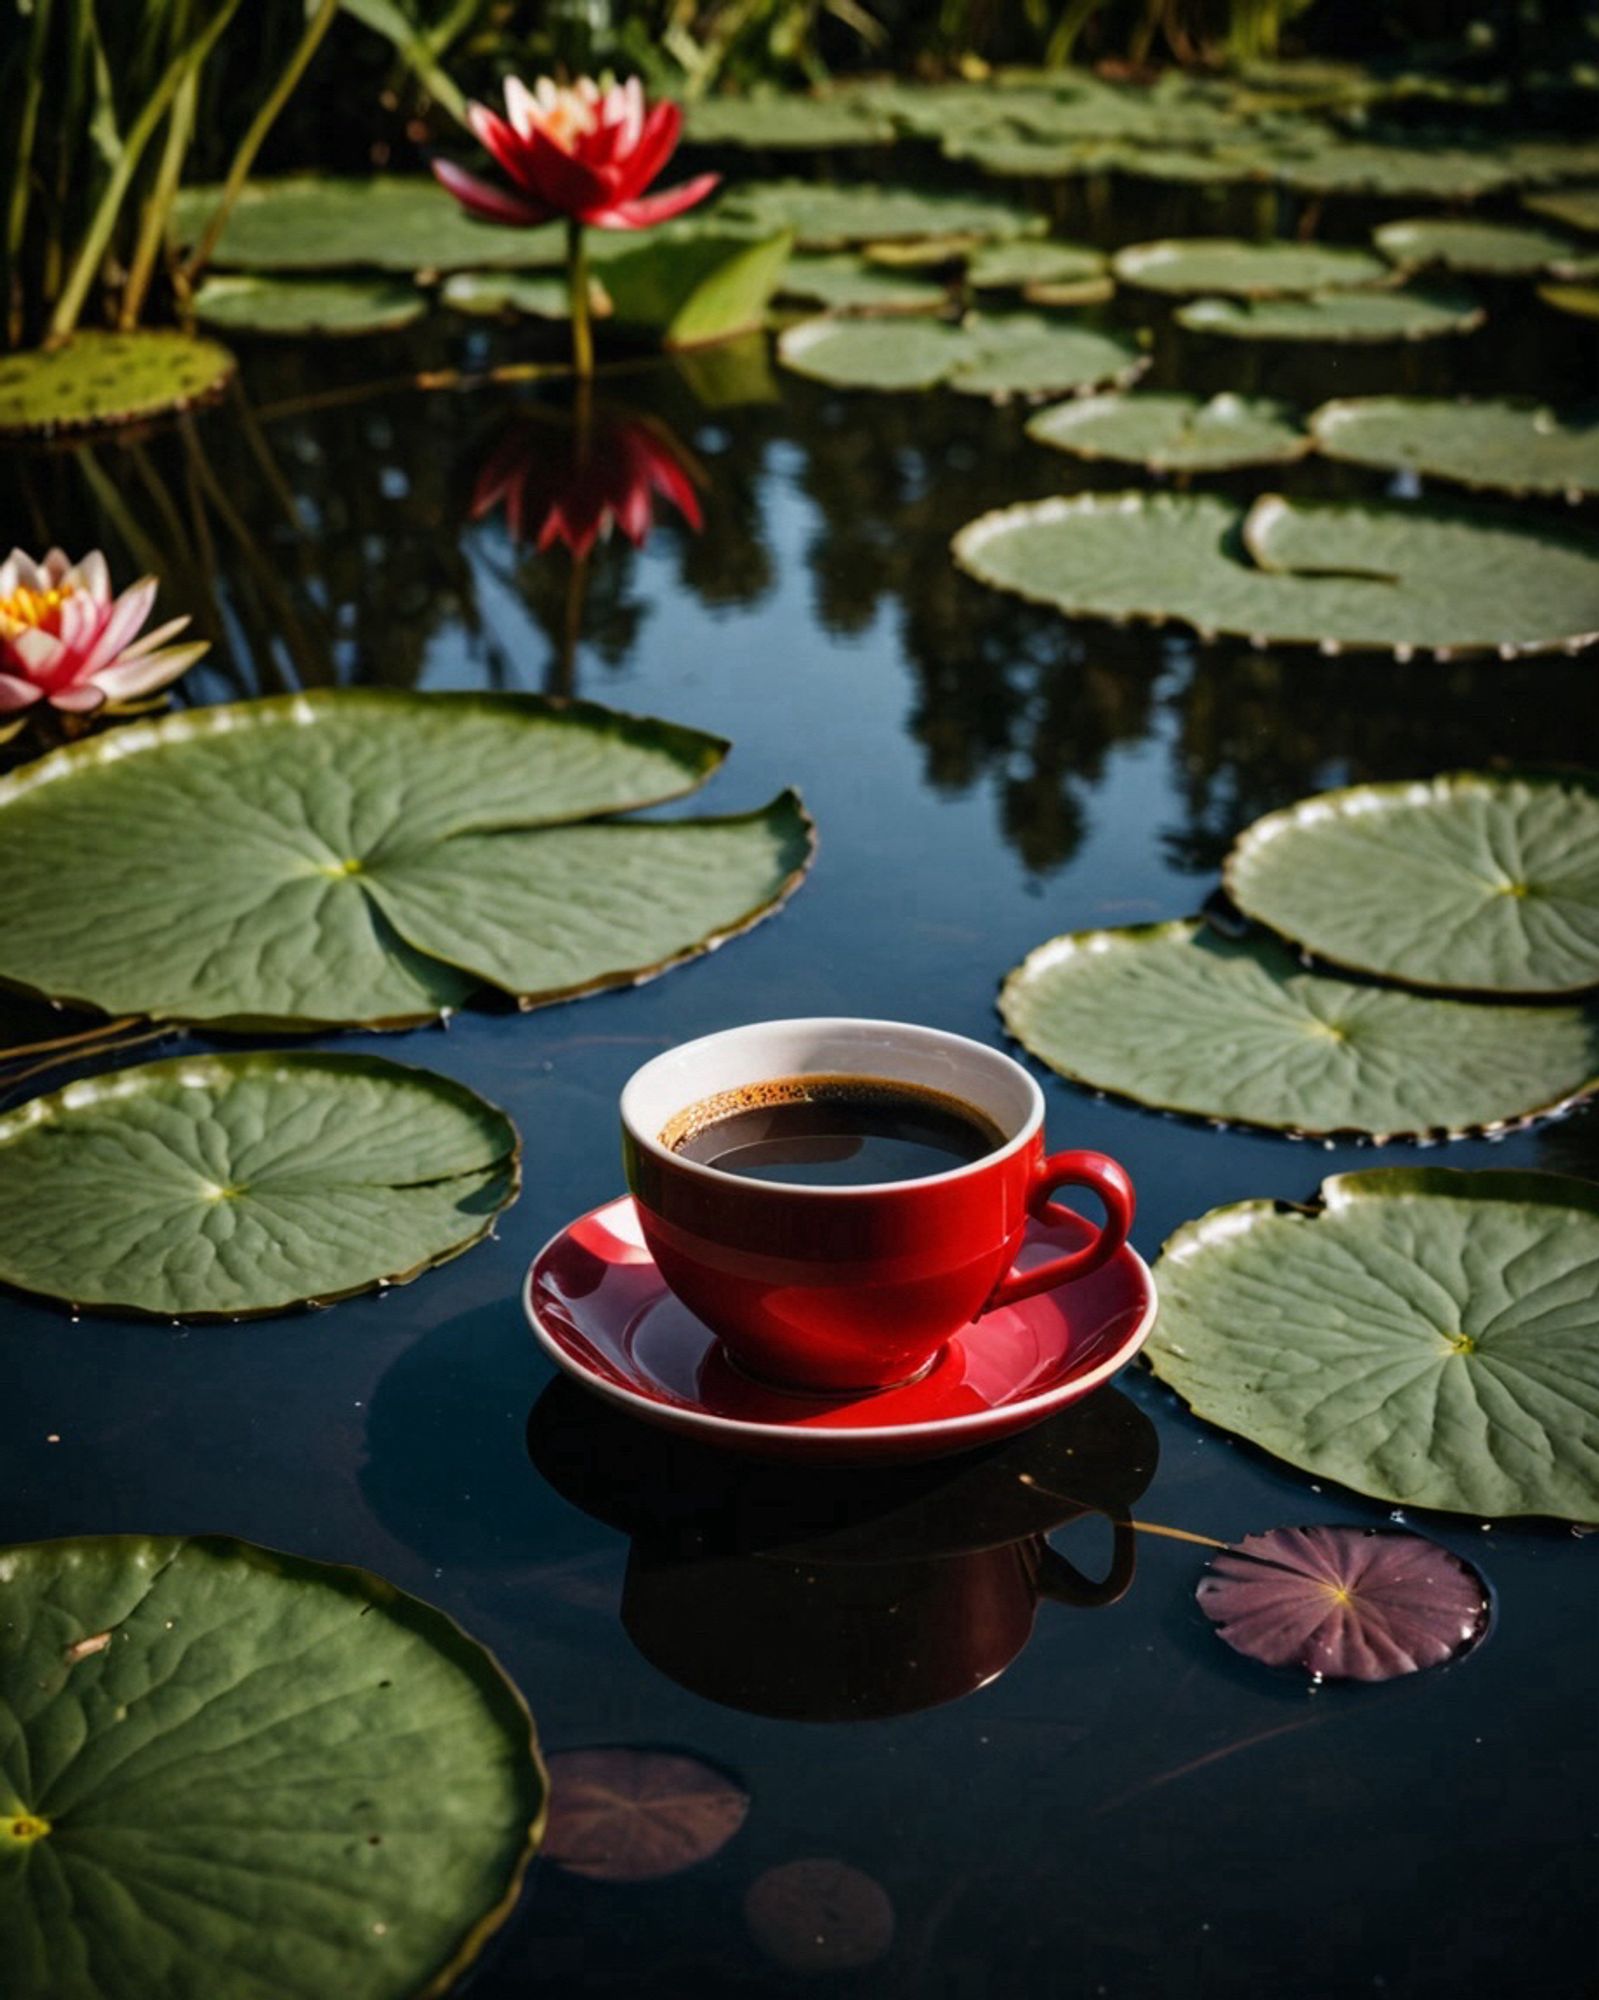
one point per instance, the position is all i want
(832, 1289)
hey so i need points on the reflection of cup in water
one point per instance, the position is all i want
(834, 1596)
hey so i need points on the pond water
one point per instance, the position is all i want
(1118, 1805)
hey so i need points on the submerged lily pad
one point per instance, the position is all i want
(231, 1772)
(219, 1186)
(1484, 249)
(842, 283)
(826, 217)
(1023, 354)
(819, 1916)
(1177, 1018)
(1175, 433)
(1577, 207)
(244, 303)
(1509, 447)
(321, 859)
(1363, 1604)
(1385, 575)
(625, 1815)
(108, 378)
(1470, 883)
(1033, 261)
(1245, 270)
(1422, 1336)
(1416, 312)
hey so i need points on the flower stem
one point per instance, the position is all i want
(577, 285)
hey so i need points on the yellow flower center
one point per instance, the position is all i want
(24, 1828)
(569, 117)
(26, 607)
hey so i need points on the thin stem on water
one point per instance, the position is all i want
(10, 1081)
(81, 1038)
(158, 209)
(577, 285)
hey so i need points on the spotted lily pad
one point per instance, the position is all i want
(1175, 433)
(624, 1815)
(1032, 261)
(830, 217)
(1384, 574)
(1416, 312)
(842, 283)
(1423, 1336)
(1468, 883)
(220, 1186)
(997, 355)
(295, 307)
(1510, 447)
(1362, 1604)
(1245, 270)
(231, 1772)
(786, 123)
(1577, 207)
(108, 378)
(1177, 1018)
(1457, 243)
(319, 859)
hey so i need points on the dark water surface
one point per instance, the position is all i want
(1124, 1807)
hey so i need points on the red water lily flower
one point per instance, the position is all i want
(575, 483)
(65, 640)
(577, 151)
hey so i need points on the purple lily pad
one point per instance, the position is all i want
(819, 1916)
(625, 1815)
(1360, 1604)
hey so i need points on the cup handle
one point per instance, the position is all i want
(1062, 1582)
(1100, 1174)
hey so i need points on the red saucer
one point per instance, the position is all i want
(603, 1313)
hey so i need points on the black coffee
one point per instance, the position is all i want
(832, 1131)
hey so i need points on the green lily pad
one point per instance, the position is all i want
(827, 217)
(1177, 1018)
(1426, 1337)
(317, 859)
(873, 354)
(108, 378)
(842, 283)
(387, 222)
(1577, 207)
(517, 294)
(1581, 301)
(1052, 292)
(221, 1186)
(1245, 270)
(1030, 354)
(1416, 312)
(1486, 249)
(1397, 171)
(1466, 883)
(232, 1772)
(786, 123)
(1385, 575)
(1033, 261)
(1507, 446)
(1175, 433)
(245, 303)
(1011, 155)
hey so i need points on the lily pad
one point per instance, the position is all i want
(1415, 312)
(1510, 447)
(1245, 270)
(625, 1815)
(694, 282)
(245, 303)
(1033, 261)
(517, 294)
(873, 354)
(819, 1916)
(1175, 433)
(1581, 301)
(1470, 883)
(1177, 1018)
(318, 859)
(108, 378)
(1456, 243)
(1423, 1336)
(386, 222)
(220, 1186)
(831, 217)
(786, 123)
(1397, 170)
(842, 283)
(1577, 207)
(1386, 575)
(234, 1772)
(1070, 291)
(1363, 1604)
(1024, 354)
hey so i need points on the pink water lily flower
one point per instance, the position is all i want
(65, 640)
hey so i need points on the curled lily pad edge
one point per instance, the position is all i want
(1339, 406)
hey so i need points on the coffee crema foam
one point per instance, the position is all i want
(686, 1125)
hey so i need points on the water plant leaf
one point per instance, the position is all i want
(1180, 1019)
(350, 877)
(1424, 1336)
(231, 1772)
(1362, 1604)
(385, 222)
(690, 283)
(1382, 574)
(826, 217)
(1033, 261)
(786, 122)
(1175, 433)
(626, 1815)
(873, 354)
(1415, 312)
(819, 1916)
(1581, 301)
(519, 294)
(222, 1186)
(1577, 207)
(1031, 354)
(844, 283)
(1394, 170)
(1505, 446)
(249, 304)
(1470, 883)
(1245, 270)
(108, 378)
(1457, 243)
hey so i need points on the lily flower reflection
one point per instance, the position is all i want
(574, 480)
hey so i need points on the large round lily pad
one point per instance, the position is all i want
(1386, 574)
(999, 355)
(1245, 270)
(844, 283)
(1510, 447)
(1416, 312)
(873, 354)
(219, 1186)
(1426, 1337)
(295, 307)
(1175, 433)
(1175, 1017)
(372, 857)
(240, 1774)
(1468, 883)
(825, 217)
(1481, 249)
(108, 378)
